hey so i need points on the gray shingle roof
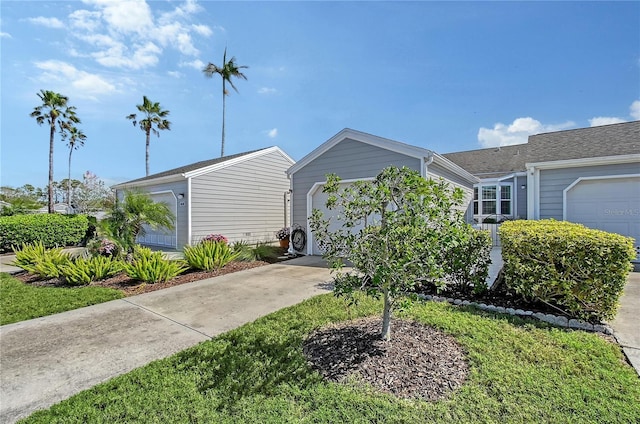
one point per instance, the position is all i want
(191, 167)
(493, 162)
(602, 141)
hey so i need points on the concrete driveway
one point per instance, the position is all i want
(46, 360)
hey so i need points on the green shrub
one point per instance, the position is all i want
(245, 252)
(36, 259)
(466, 264)
(83, 271)
(209, 255)
(29, 254)
(152, 267)
(52, 230)
(578, 269)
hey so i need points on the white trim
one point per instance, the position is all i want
(572, 163)
(383, 143)
(153, 181)
(234, 161)
(580, 179)
(498, 198)
(310, 193)
(447, 164)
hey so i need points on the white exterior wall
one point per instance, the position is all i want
(244, 201)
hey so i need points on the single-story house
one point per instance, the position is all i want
(587, 175)
(354, 155)
(242, 197)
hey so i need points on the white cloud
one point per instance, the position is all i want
(634, 110)
(267, 90)
(82, 83)
(605, 120)
(126, 34)
(174, 74)
(5, 35)
(517, 132)
(634, 113)
(85, 20)
(202, 30)
(195, 64)
(47, 22)
(120, 56)
(272, 133)
(125, 16)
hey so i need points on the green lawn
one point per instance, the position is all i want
(520, 372)
(19, 301)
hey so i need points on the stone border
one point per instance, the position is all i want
(556, 320)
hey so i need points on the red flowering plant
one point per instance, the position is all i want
(215, 237)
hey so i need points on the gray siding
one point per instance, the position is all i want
(349, 159)
(242, 202)
(437, 171)
(554, 181)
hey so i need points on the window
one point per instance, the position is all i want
(505, 200)
(493, 199)
(489, 194)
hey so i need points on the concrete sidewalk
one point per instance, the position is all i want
(626, 325)
(46, 360)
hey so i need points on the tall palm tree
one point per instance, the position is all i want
(76, 140)
(229, 69)
(54, 109)
(153, 121)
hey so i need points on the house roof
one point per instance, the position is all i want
(198, 168)
(493, 162)
(582, 143)
(602, 141)
(384, 143)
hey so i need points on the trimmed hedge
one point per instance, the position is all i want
(53, 230)
(580, 270)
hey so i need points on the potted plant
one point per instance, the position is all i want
(283, 235)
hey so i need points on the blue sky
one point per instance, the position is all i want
(447, 76)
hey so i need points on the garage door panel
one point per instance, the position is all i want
(608, 204)
(319, 201)
(164, 237)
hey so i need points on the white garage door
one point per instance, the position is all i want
(162, 237)
(318, 201)
(609, 204)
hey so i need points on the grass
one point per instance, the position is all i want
(19, 301)
(520, 372)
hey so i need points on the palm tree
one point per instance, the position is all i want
(154, 120)
(229, 69)
(76, 140)
(128, 217)
(54, 109)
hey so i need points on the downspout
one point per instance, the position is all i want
(189, 235)
(290, 250)
(426, 164)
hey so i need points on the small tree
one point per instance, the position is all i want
(128, 217)
(393, 231)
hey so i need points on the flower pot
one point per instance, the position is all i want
(284, 243)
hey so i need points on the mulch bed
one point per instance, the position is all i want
(419, 361)
(131, 287)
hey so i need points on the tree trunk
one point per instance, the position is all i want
(224, 104)
(386, 316)
(146, 160)
(51, 135)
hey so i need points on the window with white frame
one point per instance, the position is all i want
(493, 199)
